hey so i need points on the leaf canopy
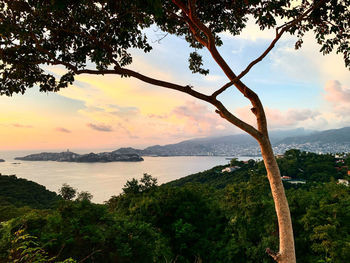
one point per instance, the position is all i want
(89, 36)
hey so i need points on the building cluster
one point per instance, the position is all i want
(313, 147)
(279, 149)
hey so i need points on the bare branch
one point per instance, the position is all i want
(275, 255)
(186, 89)
(226, 114)
(95, 72)
(161, 38)
(90, 255)
(291, 23)
(225, 87)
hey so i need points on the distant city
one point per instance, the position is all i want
(314, 147)
(329, 141)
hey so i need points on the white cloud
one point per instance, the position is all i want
(307, 63)
(214, 78)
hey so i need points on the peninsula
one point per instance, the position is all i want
(82, 158)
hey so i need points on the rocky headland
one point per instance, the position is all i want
(82, 158)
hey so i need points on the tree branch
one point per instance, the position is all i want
(274, 255)
(90, 255)
(50, 55)
(186, 89)
(95, 72)
(193, 17)
(226, 114)
(195, 32)
(187, 16)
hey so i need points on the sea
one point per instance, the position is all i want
(104, 180)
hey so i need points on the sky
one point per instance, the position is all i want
(298, 88)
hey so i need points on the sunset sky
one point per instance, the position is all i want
(298, 88)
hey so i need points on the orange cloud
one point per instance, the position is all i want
(100, 127)
(60, 129)
(17, 125)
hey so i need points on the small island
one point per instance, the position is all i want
(68, 156)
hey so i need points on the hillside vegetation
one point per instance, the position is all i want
(212, 216)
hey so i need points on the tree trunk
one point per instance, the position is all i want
(286, 252)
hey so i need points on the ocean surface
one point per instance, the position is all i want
(104, 180)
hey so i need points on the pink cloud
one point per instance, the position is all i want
(158, 116)
(199, 120)
(277, 118)
(338, 96)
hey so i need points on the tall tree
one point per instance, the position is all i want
(95, 37)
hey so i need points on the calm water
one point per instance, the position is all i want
(104, 179)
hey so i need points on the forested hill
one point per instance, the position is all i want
(20, 192)
(297, 165)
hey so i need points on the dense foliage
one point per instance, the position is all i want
(97, 36)
(194, 219)
(18, 196)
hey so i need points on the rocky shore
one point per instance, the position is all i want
(82, 158)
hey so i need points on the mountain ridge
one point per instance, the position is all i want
(243, 144)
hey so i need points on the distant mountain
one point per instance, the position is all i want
(335, 136)
(238, 144)
(127, 150)
(278, 135)
(225, 145)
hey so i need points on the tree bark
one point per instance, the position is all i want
(286, 252)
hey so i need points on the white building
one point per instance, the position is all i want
(343, 181)
(230, 169)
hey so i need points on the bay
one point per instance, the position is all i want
(104, 180)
